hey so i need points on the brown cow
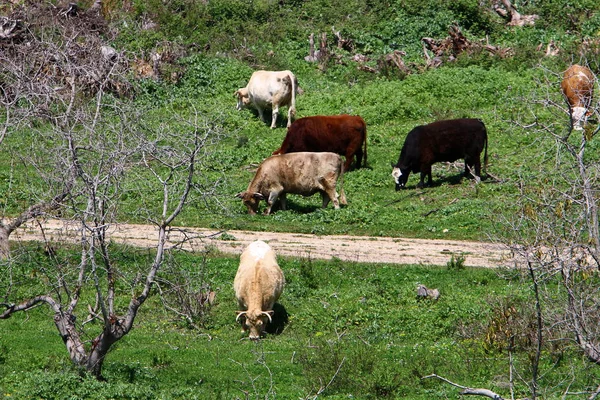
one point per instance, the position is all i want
(299, 173)
(578, 88)
(342, 134)
(258, 284)
(270, 89)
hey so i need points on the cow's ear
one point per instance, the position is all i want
(392, 164)
(237, 93)
(258, 196)
(240, 195)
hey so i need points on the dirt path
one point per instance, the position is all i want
(349, 248)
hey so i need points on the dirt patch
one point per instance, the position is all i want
(365, 249)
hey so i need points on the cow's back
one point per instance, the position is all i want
(266, 88)
(334, 134)
(454, 139)
(258, 275)
(578, 86)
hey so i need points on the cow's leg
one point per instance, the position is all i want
(271, 201)
(422, 180)
(348, 162)
(328, 192)
(359, 156)
(425, 171)
(290, 115)
(261, 114)
(477, 170)
(283, 201)
(275, 113)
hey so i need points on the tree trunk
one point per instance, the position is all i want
(4, 245)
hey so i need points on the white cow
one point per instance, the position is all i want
(270, 89)
(258, 284)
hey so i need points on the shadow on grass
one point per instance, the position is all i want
(280, 320)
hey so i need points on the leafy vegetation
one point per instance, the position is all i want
(353, 330)
(360, 326)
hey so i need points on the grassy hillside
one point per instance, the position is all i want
(225, 41)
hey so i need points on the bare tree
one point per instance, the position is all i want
(106, 154)
(506, 9)
(90, 150)
(43, 77)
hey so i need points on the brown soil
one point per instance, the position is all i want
(349, 248)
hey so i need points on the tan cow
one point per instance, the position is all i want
(258, 284)
(578, 88)
(303, 173)
(270, 90)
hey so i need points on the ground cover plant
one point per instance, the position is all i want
(352, 329)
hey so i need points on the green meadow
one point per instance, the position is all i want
(343, 330)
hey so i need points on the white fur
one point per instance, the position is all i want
(396, 173)
(579, 117)
(258, 249)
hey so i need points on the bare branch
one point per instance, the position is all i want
(467, 390)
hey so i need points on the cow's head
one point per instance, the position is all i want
(251, 201)
(243, 100)
(255, 322)
(400, 176)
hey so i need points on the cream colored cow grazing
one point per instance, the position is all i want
(303, 173)
(578, 87)
(270, 90)
(258, 284)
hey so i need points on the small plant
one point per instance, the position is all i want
(456, 263)
(307, 274)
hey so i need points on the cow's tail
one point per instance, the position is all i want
(341, 180)
(293, 102)
(365, 147)
(485, 156)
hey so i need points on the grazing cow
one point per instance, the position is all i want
(441, 141)
(270, 89)
(578, 88)
(342, 134)
(258, 284)
(297, 173)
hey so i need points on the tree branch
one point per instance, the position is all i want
(467, 390)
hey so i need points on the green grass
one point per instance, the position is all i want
(360, 324)
(364, 320)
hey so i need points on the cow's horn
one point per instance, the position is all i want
(240, 313)
(268, 314)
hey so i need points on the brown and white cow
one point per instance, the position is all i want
(447, 140)
(578, 88)
(258, 284)
(342, 134)
(302, 173)
(270, 90)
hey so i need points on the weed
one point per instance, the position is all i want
(456, 264)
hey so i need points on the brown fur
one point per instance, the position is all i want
(345, 135)
(578, 88)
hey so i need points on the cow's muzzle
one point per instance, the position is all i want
(400, 186)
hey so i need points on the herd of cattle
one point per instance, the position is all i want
(317, 142)
(309, 161)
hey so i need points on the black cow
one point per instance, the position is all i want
(446, 140)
